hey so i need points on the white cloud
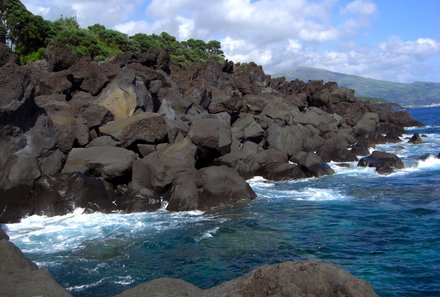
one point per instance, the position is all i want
(363, 7)
(420, 47)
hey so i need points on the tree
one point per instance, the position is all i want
(21, 30)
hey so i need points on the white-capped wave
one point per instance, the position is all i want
(43, 234)
(317, 194)
(260, 182)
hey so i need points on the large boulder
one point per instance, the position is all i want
(59, 56)
(281, 171)
(246, 128)
(20, 277)
(367, 123)
(55, 82)
(286, 139)
(128, 200)
(211, 133)
(301, 279)
(6, 55)
(312, 164)
(218, 186)
(163, 287)
(158, 169)
(89, 76)
(144, 127)
(62, 193)
(384, 162)
(415, 139)
(109, 162)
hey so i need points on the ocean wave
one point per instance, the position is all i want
(260, 182)
(317, 194)
(208, 234)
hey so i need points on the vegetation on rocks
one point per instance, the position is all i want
(28, 35)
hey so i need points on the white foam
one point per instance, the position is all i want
(260, 182)
(317, 194)
(43, 234)
(208, 234)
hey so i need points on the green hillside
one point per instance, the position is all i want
(417, 93)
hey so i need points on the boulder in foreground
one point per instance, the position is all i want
(298, 279)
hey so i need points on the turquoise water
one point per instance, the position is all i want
(385, 229)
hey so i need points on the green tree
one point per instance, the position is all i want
(20, 29)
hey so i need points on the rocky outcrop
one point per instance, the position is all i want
(140, 126)
(21, 277)
(385, 163)
(302, 279)
(415, 139)
(3, 235)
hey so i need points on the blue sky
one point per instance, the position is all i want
(383, 39)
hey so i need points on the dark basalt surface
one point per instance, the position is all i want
(136, 127)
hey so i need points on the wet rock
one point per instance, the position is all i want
(312, 164)
(3, 234)
(129, 200)
(384, 162)
(145, 127)
(415, 139)
(281, 171)
(20, 277)
(62, 193)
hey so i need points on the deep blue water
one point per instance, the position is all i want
(384, 229)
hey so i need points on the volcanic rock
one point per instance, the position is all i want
(415, 139)
(312, 164)
(384, 162)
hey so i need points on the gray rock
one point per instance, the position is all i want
(299, 279)
(415, 139)
(145, 127)
(312, 164)
(95, 115)
(184, 192)
(158, 169)
(108, 162)
(246, 128)
(129, 200)
(59, 56)
(367, 123)
(20, 277)
(104, 141)
(3, 234)
(384, 162)
(286, 139)
(55, 82)
(281, 171)
(51, 163)
(212, 133)
(163, 287)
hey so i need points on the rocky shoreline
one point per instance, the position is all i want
(137, 130)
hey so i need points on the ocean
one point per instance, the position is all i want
(384, 229)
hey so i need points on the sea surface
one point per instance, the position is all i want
(384, 229)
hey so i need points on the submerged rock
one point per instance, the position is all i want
(415, 139)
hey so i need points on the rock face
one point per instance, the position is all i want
(299, 279)
(137, 127)
(3, 235)
(384, 162)
(21, 277)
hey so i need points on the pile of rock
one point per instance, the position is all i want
(130, 132)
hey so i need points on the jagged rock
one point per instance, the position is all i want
(384, 162)
(20, 277)
(15, 203)
(281, 171)
(246, 128)
(342, 95)
(312, 164)
(145, 127)
(157, 170)
(59, 56)
(17, 106)
(123, 95)
(368, 123)
(302, 279)
(185, 192)
(109, 162)
(62, 193)
(51, 163)
(415, 139)
(55, 82)
(95, 115)
(163, 287)
(89, 76)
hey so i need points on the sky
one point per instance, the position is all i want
(381, 39)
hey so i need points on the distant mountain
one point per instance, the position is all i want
(417, 93)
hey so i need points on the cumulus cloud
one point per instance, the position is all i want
(363, 7)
